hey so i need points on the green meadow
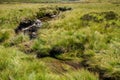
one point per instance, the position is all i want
(79, 44)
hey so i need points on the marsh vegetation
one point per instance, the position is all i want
(76, 42)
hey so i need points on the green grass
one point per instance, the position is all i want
(94, 46)
(36, 1)
(54, 1)
(19, 66)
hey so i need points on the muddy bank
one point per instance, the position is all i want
(31, 26)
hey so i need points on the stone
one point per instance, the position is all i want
(29, 27)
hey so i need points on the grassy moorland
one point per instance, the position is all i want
(35, 1)
(80, 44)
(54, 1)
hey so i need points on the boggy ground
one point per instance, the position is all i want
(82, 43)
